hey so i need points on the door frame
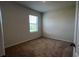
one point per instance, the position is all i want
(2, 34)
(75, 30)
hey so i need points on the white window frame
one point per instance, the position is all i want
(36, 20)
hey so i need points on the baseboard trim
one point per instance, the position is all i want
(22, 42)
(57, 39)
(34, 39)
(76, 55)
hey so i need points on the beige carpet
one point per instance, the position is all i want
(42, 47)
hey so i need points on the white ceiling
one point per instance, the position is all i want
(46, 6)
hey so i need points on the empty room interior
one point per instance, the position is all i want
(39, 29)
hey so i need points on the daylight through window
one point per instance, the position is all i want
(33, 22)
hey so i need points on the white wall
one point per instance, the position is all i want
(59, 24)
(16, 24)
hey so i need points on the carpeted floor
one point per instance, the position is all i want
(42, 47)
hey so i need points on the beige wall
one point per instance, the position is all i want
(59, 24)
(16, 24)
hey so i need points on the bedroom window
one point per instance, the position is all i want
(33, 23)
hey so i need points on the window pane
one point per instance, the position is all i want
(33, 21)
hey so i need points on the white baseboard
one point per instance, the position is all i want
(16, 43)
(20, 42)
(58, 39)
(76, 55)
